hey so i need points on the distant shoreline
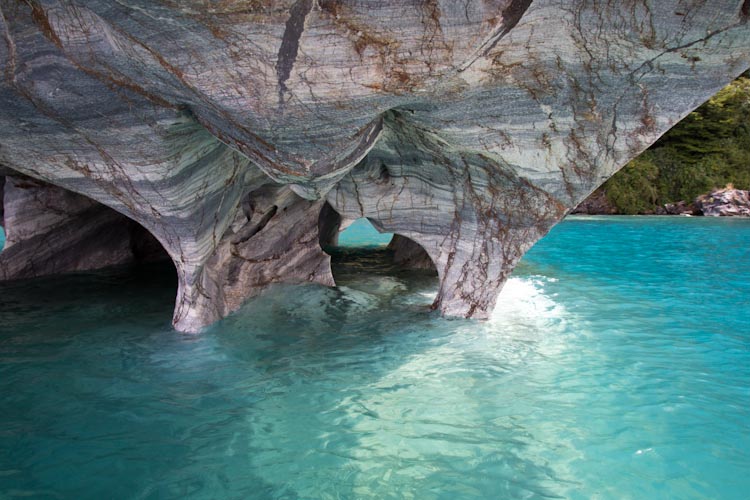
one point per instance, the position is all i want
(726, 202)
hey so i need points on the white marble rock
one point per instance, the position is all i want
(468, 127)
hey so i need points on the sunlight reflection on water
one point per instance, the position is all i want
(611, 368)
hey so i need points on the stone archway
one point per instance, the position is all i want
(339, 236)
(409, 254)
(50, 230)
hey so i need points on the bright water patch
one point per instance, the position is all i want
(616, 365)
(2, 238)
(360, 233)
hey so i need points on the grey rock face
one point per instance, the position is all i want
(468, 127)
(472, 214)
(2, 195)
(50, 230)
(273, 239)
(724, 203)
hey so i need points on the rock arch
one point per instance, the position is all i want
(470, 128)
(409, 254)
(50, 230)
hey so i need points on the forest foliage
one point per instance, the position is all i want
(708, 149)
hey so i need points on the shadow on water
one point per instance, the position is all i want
(102, 399)
(105, 295)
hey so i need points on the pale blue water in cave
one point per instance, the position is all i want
(617, 365)
(361, 234)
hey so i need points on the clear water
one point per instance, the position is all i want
(361, 234)
(617, 365)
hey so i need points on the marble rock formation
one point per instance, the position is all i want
(2, 203)
(51, 230)
(408, 254)
(225, 128)
(726, 202)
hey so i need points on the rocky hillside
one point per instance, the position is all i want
(727, 202)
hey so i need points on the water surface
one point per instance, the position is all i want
(616, 365)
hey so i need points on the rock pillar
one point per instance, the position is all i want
(273, 239)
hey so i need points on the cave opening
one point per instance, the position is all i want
(364, 257)
(69, 244)
(362, 234)
(339, 237)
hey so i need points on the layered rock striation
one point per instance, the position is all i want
(226, 129)
(51, 230)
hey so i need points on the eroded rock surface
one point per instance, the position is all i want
(408, 254)
(471, 213)
(273, 239)
(50, 230)
(468, 127)
(2, 206)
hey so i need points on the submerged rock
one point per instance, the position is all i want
(470, 128)
(725, 203)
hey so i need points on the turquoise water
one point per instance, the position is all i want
(617, 365)
(361, 234)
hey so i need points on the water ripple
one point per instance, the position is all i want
(612, 367)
